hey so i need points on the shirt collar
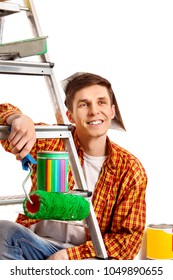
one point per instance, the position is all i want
(80, 150)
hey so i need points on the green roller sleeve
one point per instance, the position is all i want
(56, 206)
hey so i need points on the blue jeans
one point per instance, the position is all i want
(20, 243)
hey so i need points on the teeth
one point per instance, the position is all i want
(95, 122)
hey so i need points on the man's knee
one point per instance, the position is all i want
(6, 227)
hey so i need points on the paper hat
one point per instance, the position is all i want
(117, 122)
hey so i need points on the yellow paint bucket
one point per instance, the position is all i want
(160, 241)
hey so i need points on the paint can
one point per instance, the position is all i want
(52, 171)
(160, 241)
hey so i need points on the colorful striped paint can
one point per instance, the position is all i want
(52, 171)
(160, 241)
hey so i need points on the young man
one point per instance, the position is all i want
(116, 178)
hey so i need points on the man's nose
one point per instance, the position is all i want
(93, 109)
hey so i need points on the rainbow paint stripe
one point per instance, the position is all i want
(52, 171)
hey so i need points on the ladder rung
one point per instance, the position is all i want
(13, 199)
(28, 68)
(18, 199)
(42, 131)
(8, 8)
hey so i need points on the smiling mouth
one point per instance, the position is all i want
(95, 122)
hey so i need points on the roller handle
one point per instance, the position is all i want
(27, 160)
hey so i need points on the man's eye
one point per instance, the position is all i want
(82, 105)
(102, 102)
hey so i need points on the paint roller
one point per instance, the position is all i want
(56, 206)
(45, 205)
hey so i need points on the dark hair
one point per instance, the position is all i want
(88, 79)
(82, 81)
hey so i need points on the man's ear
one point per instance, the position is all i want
(70, 116)
(113, 111)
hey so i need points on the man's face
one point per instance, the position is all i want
(92, 111)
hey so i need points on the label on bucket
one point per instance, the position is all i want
(160, 241)
(52, 171)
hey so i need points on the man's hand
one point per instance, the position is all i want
(22, 136)
(60, 255)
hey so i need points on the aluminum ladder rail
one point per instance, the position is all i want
(45, 69)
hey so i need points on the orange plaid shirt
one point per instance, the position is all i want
(118, 199)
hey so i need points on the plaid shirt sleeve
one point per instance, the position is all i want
(7, 110)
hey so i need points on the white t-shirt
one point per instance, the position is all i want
(91, 169)
(70, 234)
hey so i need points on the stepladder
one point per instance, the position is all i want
(12, 63)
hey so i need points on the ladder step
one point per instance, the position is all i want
(26, 68)
(8, 9)
(18, 199)
(23, 48)
(13, 199)
(42, 131)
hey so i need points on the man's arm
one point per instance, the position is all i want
(22, 136)
(60, 255)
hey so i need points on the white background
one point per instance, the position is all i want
(128, 42)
